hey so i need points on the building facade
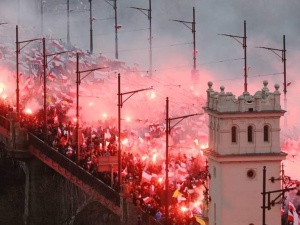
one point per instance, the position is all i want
(244, 137)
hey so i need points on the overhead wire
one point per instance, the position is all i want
(100, 34)
(172, 87)
(147, 48)
(252, 76)
(205, 63)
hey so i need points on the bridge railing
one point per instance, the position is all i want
(74, 169)
(4, 123)
(147, 219)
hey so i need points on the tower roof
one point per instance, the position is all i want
(262, 101)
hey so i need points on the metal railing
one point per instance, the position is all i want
(5, 123)
(74, 169)
(147, 219)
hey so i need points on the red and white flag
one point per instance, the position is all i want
(181, 170)
(52, 76)
(124, 172)
(59, 133)
(146, 200)
(146, 177)
(292, 214)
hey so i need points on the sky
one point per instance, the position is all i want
(219, 58)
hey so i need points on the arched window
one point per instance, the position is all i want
(266, 133)
(233, 135)
(250, 133)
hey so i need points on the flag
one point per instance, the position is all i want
(146, 177)
(292, 214)
(176, 194)
(63, 77)
(180, 198)
(51, 76)
(146, 200)
(147, 136)
(59, 132)
(154, 177)
(124, 172)
(199, 220)
(57, 44)
(182, 170)
(182, 178)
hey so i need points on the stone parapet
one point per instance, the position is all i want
(262, 100)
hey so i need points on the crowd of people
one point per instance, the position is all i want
(143, 164)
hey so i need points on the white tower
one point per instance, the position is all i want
(244, 136)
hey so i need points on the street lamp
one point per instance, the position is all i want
(78, 81)
(244, 44)
(195, 75)
(45, 64)
(116, 26)
(68, 22)
(168, 131)
(120, 105)
(283, 58)
(149, 15)
(18, 50)
(42, 16)
(91, 28)
(288, 183)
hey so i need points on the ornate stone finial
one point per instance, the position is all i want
(209, 83)
(265, 90)
(222, 88)
(241, 97)
(265, 83)
(276, 87)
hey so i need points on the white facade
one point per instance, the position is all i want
(244, 137)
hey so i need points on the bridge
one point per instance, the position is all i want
(23, 146)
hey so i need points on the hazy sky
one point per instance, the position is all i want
(219, 58)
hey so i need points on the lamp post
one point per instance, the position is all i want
(283, 58)
(91, 28)
(42, 17)
(193, 29)
(116, 26)
(149, 16)
(78, 81)
(168, 131)
(244, 44)
(45, 65)
(18, 50)
(18, 9)
(68, 22)
(288, 183)
(120, 105)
